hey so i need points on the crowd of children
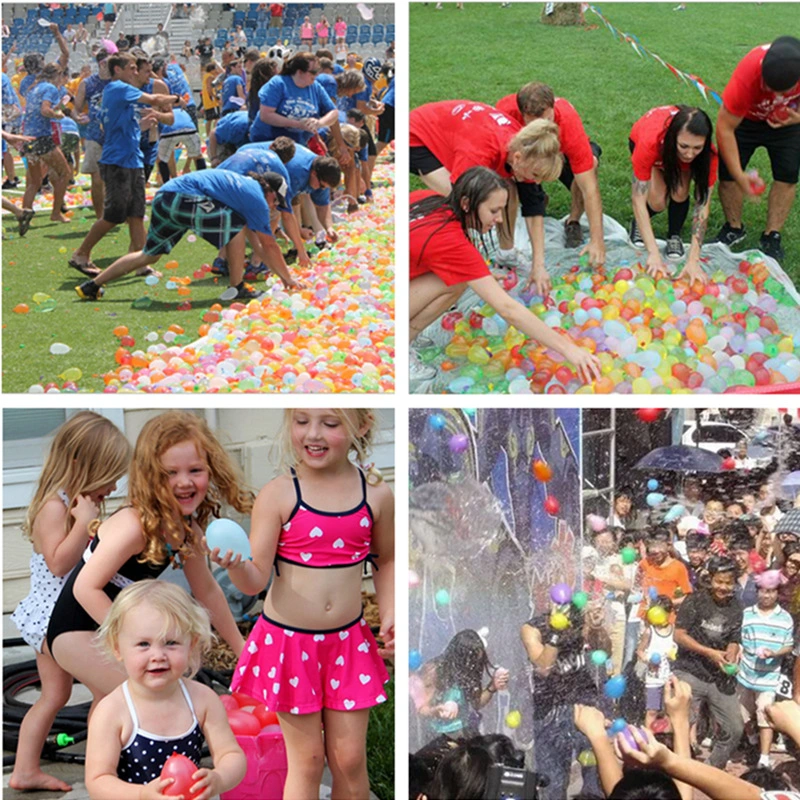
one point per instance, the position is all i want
(692, 605)
(324, 517)
(135, 110)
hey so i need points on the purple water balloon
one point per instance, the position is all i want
(458, 443)
(561, 594)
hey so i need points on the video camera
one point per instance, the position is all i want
(512, 783)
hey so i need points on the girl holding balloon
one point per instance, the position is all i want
(159, 634)
(179, 477)
(311, 655)
(450, 690)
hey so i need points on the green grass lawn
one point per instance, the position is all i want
(486, 52)
(35, 264)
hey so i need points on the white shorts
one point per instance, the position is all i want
(754, 704)
(91, 157)
(191, 141)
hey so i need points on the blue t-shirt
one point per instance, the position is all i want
(34, 123)
(328, 83)
(93, 87)
(299, 169)
(338, 69)
(242, 194)
(177, 83)
(120, 120)
(9, 95)
(26, 84)
(366, 95)
(289, 100)
(229, 90)
(259, 158)
(182, 124)
(233, 129)
(68, 125)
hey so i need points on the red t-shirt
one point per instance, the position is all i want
(572, 137)
(437, 244)
(648, 133)
(746, 96)
(463, 134)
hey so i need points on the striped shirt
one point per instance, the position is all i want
(773, 631)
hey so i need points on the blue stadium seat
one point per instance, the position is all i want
(272, 37)
(249, 24)
(390, 33)
(377, 34)
(364, 35)
(352, 35)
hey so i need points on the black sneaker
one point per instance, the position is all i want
(25, 221)
(246, 292)
(730, 236)
(636, 236)
(89, 290)
(573, 235)
(674, 249)
(9, 184)
(770, 245)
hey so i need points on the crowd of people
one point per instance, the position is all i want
(94, 583)
(482, 164)
(128, 111)
(684, 626)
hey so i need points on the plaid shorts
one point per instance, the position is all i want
(172, 214)
(40, 146)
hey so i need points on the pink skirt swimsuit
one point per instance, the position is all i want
(298, 671)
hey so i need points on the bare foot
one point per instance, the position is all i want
(38, 780)
(59, 217)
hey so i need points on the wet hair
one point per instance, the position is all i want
(501, 749)
(464, 663)
(327, 169)
(299, 62)
(534, 98)
(87, 453)
(665, 602)
(474, 185)
(697, 541)
(717, 564)
(740, 542)
(538, 142)
(355, 420)
(766, 779)
(284, 148)
(736, 529)
(251, 54)
(141, 61)
(149, 493)
(351, 80)
(325, 63)
(356, 114)
(644, 784)
(120, 61)
(33, 63)
(461, 774)
(179, 614)
(420, 774)
(658, 536)
(697, 122)
(623, 491)
(262, 71)
(211, 66)
(780, 68)
(49, 73)
(324, 53)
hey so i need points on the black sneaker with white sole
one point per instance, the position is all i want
(770, 245)
(674, 249)
(636, 236)
(730, 236)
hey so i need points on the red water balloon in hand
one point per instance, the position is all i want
(181, 769)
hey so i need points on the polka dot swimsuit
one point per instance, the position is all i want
(32, 615)
(145, 754)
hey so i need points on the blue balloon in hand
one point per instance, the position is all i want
(228, 535)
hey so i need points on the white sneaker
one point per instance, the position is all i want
(707, 742)
(423, 343)
(418, 372)
(766, 761)
(779, 745)
(509, 258)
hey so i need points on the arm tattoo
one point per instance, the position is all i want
(699, 222)
(641, 187)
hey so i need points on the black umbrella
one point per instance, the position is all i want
(680, 458)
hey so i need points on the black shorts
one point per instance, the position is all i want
(211, 113)
(532, 199)
(422, 161)
(386, 125)
(567, 176)
(124, 193)
(782, 145)
(40, 146)
(371, 149)
(110, 17)
(192, 112)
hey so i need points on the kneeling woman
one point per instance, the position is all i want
(671, 147)
(217, 205)
(445, 262)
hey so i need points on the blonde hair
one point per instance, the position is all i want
(148, 490)
(351, 135)
(178, 610)
(351, 80)
(87, 453)
(354, 420)
(538, 142)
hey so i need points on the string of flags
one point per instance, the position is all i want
(687, 77)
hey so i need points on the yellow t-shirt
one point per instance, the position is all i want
(209, 93)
